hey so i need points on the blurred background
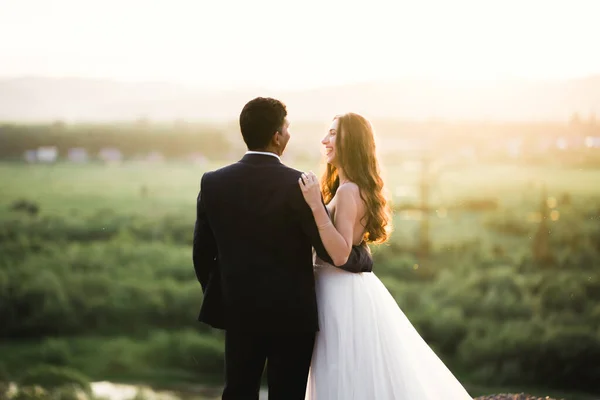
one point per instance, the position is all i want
(486, 121)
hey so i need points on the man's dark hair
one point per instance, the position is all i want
(260, 119)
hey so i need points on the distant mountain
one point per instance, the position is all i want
(35, 99)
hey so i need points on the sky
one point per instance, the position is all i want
(292, 44)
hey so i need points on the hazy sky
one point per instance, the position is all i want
(299, 43)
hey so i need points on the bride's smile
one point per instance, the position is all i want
(329, 141)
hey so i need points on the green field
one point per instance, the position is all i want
(100, 280)
(173, 185)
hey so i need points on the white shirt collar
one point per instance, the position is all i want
(264, 153)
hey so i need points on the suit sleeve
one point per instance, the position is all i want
(360, 259)
(204, 245)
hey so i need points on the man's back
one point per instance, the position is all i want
(258, 219)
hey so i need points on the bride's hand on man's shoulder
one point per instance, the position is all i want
(311, 189)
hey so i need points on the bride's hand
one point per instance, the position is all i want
(311, 190)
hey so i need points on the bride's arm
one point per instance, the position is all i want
(337, 236)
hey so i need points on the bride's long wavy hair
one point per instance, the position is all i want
(356, 155)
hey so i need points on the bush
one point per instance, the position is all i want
(4, 382)
(187, 350)
(55, 352)
(571, 358)
(120, 277)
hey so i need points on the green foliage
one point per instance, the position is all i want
(55, 352)
(100, 280)
(4, 382)
(187, 350)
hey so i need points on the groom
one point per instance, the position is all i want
(252, 254)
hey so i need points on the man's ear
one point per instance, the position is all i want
(276, 138)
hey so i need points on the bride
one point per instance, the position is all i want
(366, 347)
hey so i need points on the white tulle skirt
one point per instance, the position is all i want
(367, 349)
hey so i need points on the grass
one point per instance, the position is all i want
(171, 186)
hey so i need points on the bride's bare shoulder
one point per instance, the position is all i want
(348, 190)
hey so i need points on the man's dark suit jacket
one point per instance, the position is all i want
(252, 252)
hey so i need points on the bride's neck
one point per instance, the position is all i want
(342, 177)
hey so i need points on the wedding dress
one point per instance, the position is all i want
(367, 349)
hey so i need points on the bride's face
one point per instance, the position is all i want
(329, 142)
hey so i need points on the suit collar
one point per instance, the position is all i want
(255, 157)
(264, 153)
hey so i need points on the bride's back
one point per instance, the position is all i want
(361, 215)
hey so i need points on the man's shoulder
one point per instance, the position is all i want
(211, 174)
(290, 172)
(216, 175)
(288, 178)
